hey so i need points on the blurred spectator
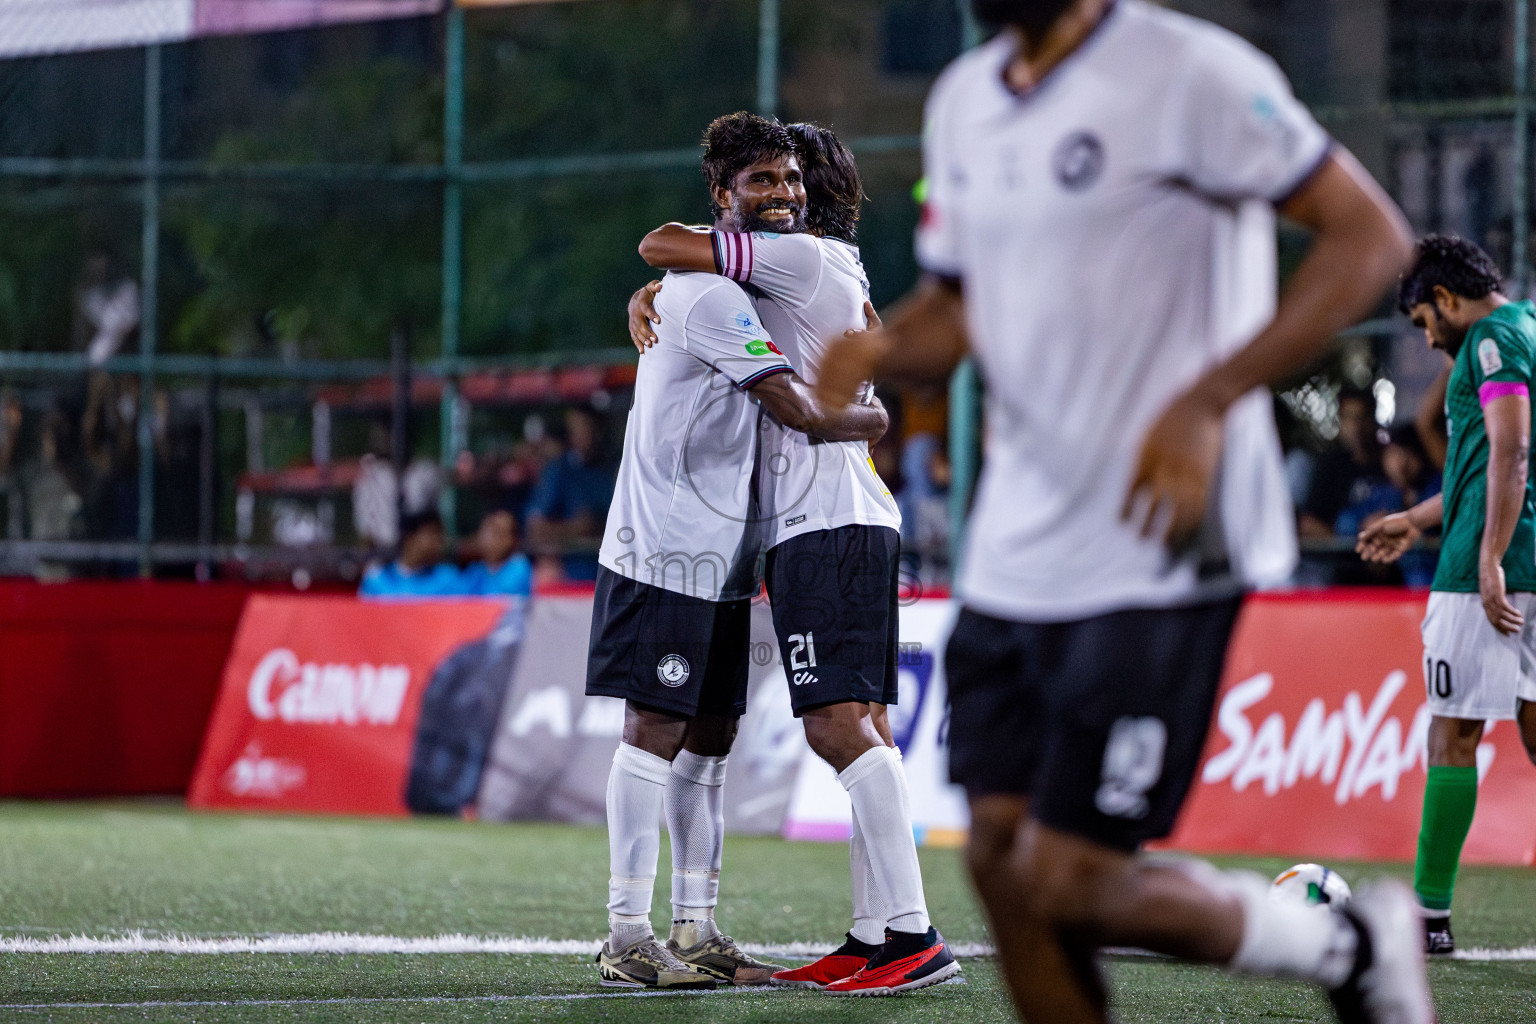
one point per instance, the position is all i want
(418, 570)
(1349, 474)
(1416, 479)
(379, 494)
(925, 508)
(375, 493)
(570, 503)
(52, 503)
(109, 441)
(502, 569)
(1408, 466)
(106, 309)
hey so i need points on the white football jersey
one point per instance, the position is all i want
(683, 516)
(1114, 231)
(812, 290)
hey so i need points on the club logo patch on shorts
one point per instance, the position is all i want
(672, 670)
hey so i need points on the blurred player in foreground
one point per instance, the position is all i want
(1480, 627)
(680, 562)
(1102, 179)
(833, 539)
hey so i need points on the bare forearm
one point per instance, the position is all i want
(1361, 244)
(927, 334)
(679, 247)
(793, 402)
(1427, 514)
(1507, 470)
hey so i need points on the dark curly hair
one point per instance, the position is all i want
(833, 191)
(735, 142)
(1454, 264)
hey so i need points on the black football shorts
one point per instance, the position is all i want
(1100, 722)
(835, 613)
(668, 651)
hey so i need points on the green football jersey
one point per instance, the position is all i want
(1498, 357)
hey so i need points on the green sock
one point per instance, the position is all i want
(1450, 798)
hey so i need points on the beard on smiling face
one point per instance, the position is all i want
(752, 219)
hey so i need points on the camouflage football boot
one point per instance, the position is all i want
(648, 965)
(719, 957)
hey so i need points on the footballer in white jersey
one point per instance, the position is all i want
(832, 562)
(1099, 234)
(678, 567)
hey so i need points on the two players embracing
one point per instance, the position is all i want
(733, 474)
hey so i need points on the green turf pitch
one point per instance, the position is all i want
(106, 870)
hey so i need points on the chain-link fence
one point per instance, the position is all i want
(251, 282)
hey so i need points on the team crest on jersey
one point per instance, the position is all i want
(759, 347)
(672, 670)
(766, 235)
(746, 323)
(1079, 161)
(1488, 355)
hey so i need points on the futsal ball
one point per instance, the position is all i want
(1312, 885)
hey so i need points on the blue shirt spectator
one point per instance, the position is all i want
(396, 580)
(418, 569)
(570, 503)
(503, 569)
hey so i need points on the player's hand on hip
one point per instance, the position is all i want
(1504, 617)
(642, 314)
(1174, 470)
(1387, 538)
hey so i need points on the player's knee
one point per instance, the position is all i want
(711, 735)
(989, 849)
(840, 734)
(1063, 886)
(653, 731)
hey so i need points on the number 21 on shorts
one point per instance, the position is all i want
(802, 657)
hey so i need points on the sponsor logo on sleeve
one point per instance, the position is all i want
(768, 235)
(760, 347)
(1488, 355)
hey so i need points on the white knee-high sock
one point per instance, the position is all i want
(878, 791)
(870, 912)
(696, 820)
(636, 784)
(1289, 940)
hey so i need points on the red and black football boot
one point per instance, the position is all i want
(843, 962)
(908, 961)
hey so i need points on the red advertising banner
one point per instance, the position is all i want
(1318, 743)
(320, 698)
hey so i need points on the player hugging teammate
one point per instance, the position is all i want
(1480, 627)
(715, 491)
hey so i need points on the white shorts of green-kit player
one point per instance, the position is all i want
(1471, 670)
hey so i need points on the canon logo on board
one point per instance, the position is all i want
(286, 689)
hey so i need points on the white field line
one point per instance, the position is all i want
(350, 943)
(365, 1000)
